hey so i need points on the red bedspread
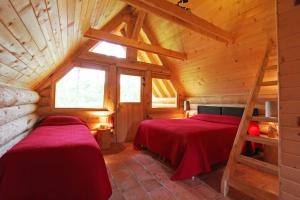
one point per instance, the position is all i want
(192, 145)
(55, 162)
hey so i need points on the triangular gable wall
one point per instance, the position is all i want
(117, 25)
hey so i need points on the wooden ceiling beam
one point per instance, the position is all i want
(119, 62)
(134, 29)
(109, 26)
(153, 40)
(102, 35)
(138, 24)
(165, 62)
(173, 13)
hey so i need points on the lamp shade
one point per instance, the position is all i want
(271, 109)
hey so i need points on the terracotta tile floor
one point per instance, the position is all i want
(139, 175)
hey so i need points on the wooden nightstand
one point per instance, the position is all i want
(104, 137)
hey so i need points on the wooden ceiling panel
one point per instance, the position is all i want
(37, 35)
(214, 68)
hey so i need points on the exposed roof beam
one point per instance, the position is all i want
(173, 13)
(134, 29)
(109, 26)
(138, 24)
(153, 40)
(102, 35)
(119, 62)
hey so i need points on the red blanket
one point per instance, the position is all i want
(192, 145)
(55, 162)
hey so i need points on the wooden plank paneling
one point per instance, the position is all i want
(52, 9)
(37, 35)
(289, 46)
(41, 13)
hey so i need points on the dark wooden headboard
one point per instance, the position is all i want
(209, 110)
(216, 110)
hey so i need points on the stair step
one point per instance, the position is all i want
(252, 190)
(271, 67)
(264, 119)
(258, 165)
(269, 83)
(262, 140)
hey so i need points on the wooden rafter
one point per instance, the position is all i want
(153, 40)
(138, 24)
(173, 13)
(102, 35)
(109, 26)
(119, 62)
(134, 30)
(86, 45)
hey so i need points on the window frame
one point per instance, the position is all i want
(161, 76)
(130, 72)
(85, 66)
(141, 90)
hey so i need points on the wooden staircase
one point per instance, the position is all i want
(259, 178)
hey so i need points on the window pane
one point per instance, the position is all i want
(109, 49)
(81, 88)
(130, 88)
(164, 94)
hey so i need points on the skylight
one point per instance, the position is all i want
(109, 49)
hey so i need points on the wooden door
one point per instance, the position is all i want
(130, 105)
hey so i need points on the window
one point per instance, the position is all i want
(164, 94)
(109, 49)
(80, 88)
(130, 89)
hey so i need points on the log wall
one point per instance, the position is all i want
(17, 108)
(45, 109)
(289, 80)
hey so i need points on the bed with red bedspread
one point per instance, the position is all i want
(192, 145)
(59, 160)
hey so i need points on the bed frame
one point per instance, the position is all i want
(232, 111)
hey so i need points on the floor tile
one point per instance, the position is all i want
(138, 175)
(161, 194)
(151, 184)
(136, 194)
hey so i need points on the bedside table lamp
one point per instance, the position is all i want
(105, 120)
(271, 111)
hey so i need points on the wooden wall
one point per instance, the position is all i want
(46, 103)
(216, 72)
(17, 107)
(289, 66)
(46, 91)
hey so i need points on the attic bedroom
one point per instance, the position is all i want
(158, 100)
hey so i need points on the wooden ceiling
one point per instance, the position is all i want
(37, 35)
(214, 68)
